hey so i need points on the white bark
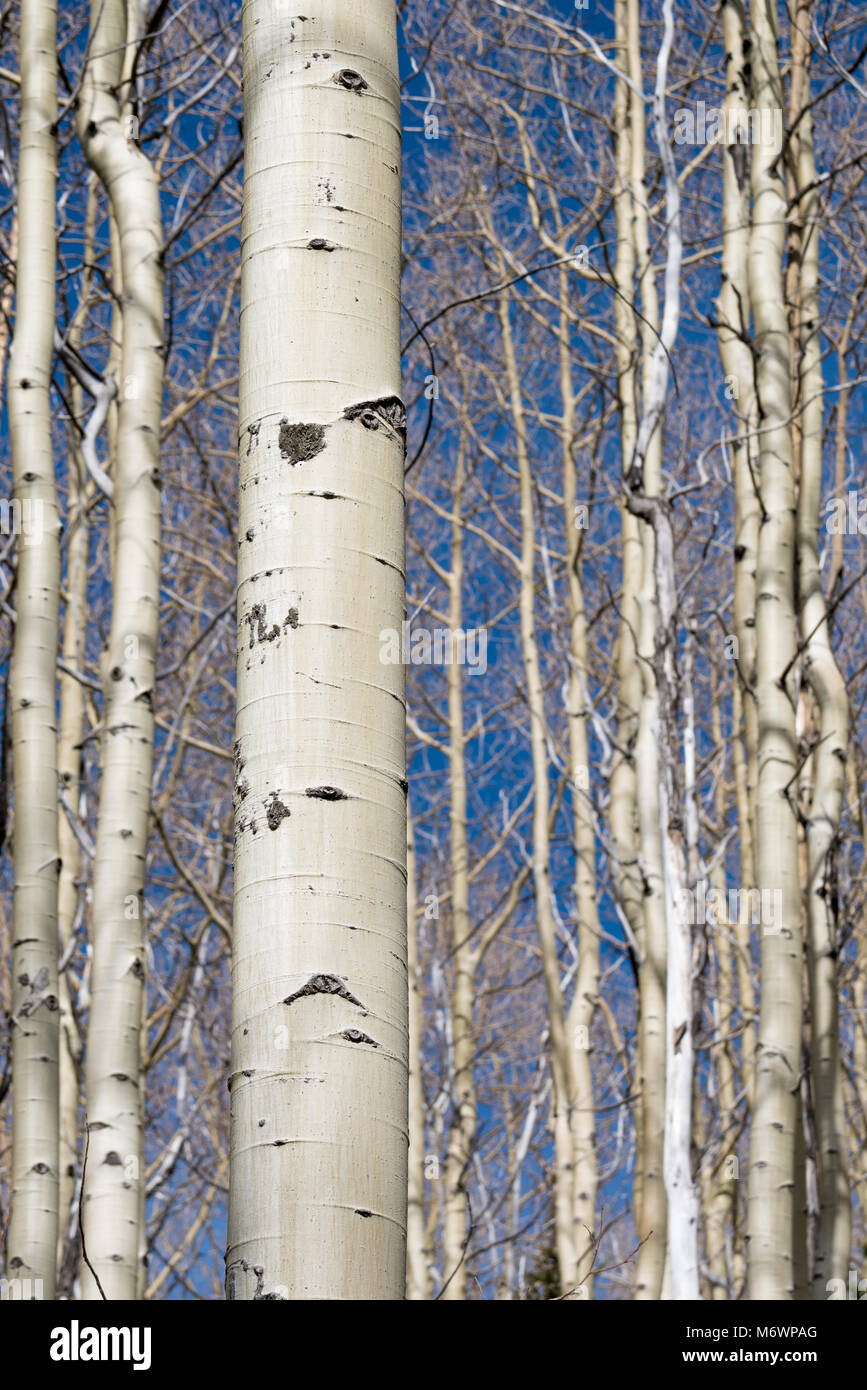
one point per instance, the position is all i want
(585, 998)
(681, 1189)
(318, 1185)
(733, 307)
(828, 689)
(778, 1059)
(112, 1205)
(643, 471)
(31, 1249)
(69, 758)
(462, 1131)
(659, 739)
(418, 1280)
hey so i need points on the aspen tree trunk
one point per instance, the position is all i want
(561, 1058)
(114, 1083)
(733, 307)
(829, 755)
(800, 1229)
(663, 811)
(623, 808)
(778, 1063)
(805, 1219)
(644, 473)
(72, 709)
(859, 1070)
(835, 572)
(674, 811)
(7, 296)
(418, 1280)
(721, 1198)
(858, 1111)
(113, 369)
(584, 999)
(31, 1247)
(69, 768)
(746, 988)
(463, 1126)
(318, 1170)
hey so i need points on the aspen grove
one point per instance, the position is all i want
(433, 582)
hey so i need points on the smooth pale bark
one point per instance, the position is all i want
(746, 986)
(805, 1187)
(623, 811)
(778, 1058)
(829, 756)
(733, 310)
(112, 1205)
(31, 1245)
(418, 1280)
(561, 1056)
(720, 1197)
(68, 891)
(585, 998)
(69, 757)
(644, 473)
(663, 811)
(318, 1169)
(806, 1211)
(462, 1130)
(680, 1188)
(835, 572)
(858, 1114)
(858, 1075)
(675, 811)
(7, 297)
(113, 369)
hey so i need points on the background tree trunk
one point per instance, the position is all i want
(112, 1211)
(828, 692)
(418, 1281)
(778, 1058)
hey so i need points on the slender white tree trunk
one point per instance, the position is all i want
(462, 1132)
(31, 1249)
(647, 1197)
(733, 310)
(318, 1170)
(69, 756)
(661, 800)
(778, 1060)
(586, 995)
(112, 1211)
(643, 471)
(680, 1186)
(561, 1056)
(828, 690)
(418, 1280)
(721, 1206)
(7, 296)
